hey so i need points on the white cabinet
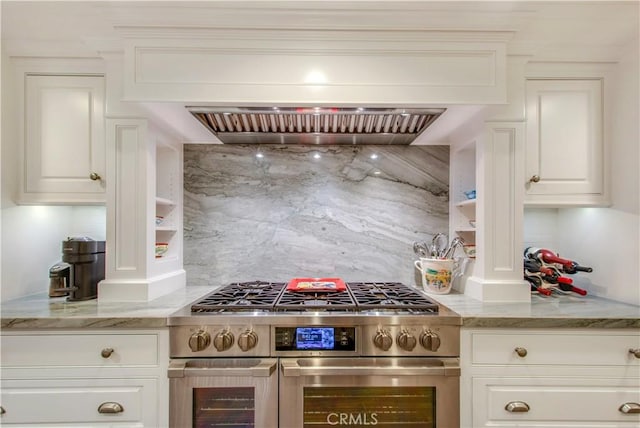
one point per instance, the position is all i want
(80, 378)
(565, 148)
(63, 150)
(146, 165)
(559, 378)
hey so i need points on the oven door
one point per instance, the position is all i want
(362, 392)
(226, 392)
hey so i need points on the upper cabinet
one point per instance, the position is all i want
(63, 139)
(565, 148)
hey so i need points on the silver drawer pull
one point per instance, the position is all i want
(628, 408)
(110, 407)
(635, 352)
(95, 176)
(522, 352)
(106, 352)
(517, 407)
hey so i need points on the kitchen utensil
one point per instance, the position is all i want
(420, 249)
(455, 243)
(436, 274)
(316, 285)
(439, 245)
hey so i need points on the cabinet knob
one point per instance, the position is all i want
(95, 176)
(534, 179)
(635, 352)
(106, 352)
(628, 408)
(517, 407)
(522, 352)
(110, 407)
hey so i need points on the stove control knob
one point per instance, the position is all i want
(406, 340)
(223, 340)
(383, 340)
(430, 340)
(247, 340)
(199, 341)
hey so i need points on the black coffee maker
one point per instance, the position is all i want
(86, 259)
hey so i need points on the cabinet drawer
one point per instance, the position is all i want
(559, 400)
(78, 350)
(78, 401)
(546, 347)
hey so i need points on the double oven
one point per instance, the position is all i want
(258, 355)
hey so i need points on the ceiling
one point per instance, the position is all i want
(542, 30)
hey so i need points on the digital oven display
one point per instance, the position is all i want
(315, 338)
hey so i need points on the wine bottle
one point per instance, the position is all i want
(569, 287)
(548, 256)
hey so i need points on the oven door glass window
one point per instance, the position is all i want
(369, 406)
(228, 407)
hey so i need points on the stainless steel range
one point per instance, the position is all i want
(260, 354)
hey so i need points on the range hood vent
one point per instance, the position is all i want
(309, 125)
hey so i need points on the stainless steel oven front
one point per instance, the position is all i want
(369, 391)
(223, 392)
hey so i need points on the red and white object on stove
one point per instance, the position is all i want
(316, 284)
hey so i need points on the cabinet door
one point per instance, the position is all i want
(64, 141)
(565, 152)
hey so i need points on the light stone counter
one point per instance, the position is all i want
(40, 311)
(543, 312)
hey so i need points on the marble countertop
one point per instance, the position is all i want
(40, 311)
(561, 311)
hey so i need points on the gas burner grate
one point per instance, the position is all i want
(332, 301)
(240, 296)
(390, 296)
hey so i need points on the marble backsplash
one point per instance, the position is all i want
(277, 212)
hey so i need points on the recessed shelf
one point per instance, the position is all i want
(466, 230)
(164, 201)
(467, 203)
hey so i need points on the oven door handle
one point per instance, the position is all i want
(195, 368)
(355, 367)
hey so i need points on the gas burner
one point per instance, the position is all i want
(241, 296)
(390, 295)
(327, 301)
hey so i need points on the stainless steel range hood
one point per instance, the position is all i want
(309, 125)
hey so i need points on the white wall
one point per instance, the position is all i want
(32, 241)
(608, 239)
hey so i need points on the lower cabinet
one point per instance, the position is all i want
(550, 378)
(84, 378)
